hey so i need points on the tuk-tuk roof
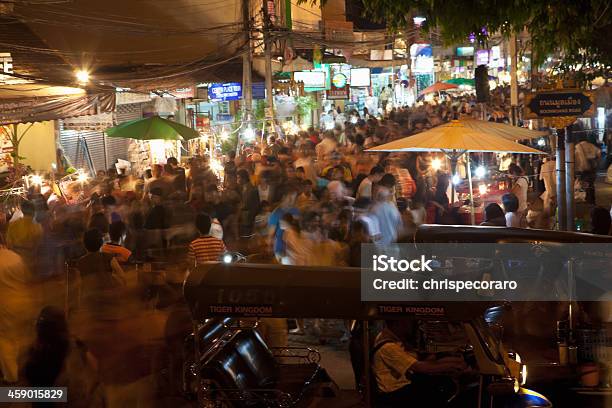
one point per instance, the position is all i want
(284, 291)
(478, 234)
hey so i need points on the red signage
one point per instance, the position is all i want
(202, 122)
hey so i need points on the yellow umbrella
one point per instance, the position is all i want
(454, 136)
(506, 131)
(455, 139)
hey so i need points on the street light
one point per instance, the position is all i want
(82, 76)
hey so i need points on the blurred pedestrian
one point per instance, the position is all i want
(56, 359)
(587, 158)
(205, 248)
(17, 311)
(388, 216)
(24, 235)
(99, 280)
(117, 234)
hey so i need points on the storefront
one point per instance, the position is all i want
(29, 113)
(85, 144)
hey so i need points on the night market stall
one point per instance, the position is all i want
(455, 139)
(157, 138)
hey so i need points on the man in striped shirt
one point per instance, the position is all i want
(205, 248)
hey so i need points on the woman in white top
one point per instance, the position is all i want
(520, 187)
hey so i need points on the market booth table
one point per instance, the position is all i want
(455, 139)
(157, 137)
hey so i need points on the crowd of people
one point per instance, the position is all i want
(308, 199)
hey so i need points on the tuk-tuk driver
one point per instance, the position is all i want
(395, 362)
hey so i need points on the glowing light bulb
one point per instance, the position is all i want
(541, 142)
(482, 189)
(36, 179)
(224, 135)
(418, 20)
(436, 164)
(456, 179)
(480, 171)
(82, 76)
(249, 133)
(227, 258)
(216, 166)
(82, 177)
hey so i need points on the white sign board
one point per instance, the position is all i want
(311, 79)
(360, 77)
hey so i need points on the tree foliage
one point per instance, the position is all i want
(579, 30)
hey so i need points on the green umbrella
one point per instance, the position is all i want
(460, 81)
(152, 128)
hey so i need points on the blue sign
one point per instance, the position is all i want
(259, 90)
(230, 91)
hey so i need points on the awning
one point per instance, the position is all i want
(37, 103)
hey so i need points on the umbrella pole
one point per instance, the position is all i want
(469, 170)
(453, 162)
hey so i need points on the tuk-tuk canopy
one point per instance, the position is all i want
(284, 291)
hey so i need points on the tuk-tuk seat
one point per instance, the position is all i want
(245, 365)
(213, 330)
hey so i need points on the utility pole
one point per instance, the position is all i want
(561, 190)
(268, 57)
(247, 90)
(570, 205)
(513, 78)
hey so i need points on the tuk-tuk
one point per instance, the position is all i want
(238, 369)
(549, 326)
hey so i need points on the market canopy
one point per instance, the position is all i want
(455, 136)
(438, 87)
(504, 130)
(27, 103)
(456, 139)
(153, 128)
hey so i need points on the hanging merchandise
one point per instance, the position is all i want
(289, 54)
(317, 57)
